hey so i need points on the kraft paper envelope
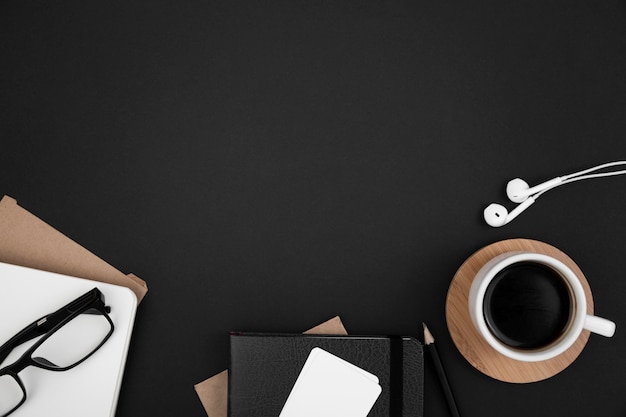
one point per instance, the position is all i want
(213, 392)
(28, 241)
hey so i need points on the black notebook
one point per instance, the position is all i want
(264, 368)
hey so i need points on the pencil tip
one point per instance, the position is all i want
(428, 337)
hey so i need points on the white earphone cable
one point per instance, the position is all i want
(582, 175)
(596, 168)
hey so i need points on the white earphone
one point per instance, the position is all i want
(520, 192)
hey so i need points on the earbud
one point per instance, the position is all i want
(496, 215)
(518, 190)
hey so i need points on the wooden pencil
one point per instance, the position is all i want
(429, 341)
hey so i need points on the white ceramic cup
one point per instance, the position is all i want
(578, 320)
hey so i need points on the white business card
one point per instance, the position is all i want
(331, 387)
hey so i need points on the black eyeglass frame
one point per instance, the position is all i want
(47, 326)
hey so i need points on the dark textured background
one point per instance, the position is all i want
(266, 165)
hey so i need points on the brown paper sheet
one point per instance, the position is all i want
(213, 392)
(28, 241)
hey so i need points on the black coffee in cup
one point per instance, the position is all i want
(527, 305)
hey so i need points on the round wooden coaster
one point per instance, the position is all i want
(476, 350)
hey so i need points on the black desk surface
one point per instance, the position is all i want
(266, 165)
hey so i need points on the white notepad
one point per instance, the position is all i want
(90, 389)
(331, 387)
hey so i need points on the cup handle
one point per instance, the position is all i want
(599, 325)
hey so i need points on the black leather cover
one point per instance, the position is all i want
(264, 368)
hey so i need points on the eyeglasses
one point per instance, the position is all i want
(68, 336)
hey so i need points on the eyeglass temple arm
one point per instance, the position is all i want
(33, 330)
(46, 323)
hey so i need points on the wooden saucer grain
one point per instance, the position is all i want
(478, 352)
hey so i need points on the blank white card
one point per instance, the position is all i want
(331, 387)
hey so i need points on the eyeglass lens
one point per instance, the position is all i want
(73, 342)
(11, 394)
(67, 346)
